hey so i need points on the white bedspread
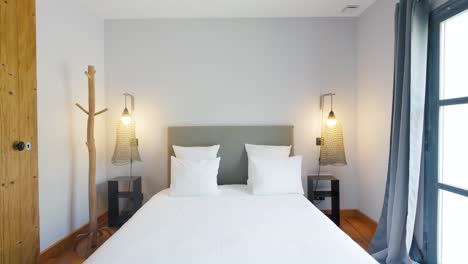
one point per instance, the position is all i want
(234, 227)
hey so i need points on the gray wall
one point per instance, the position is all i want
(374, 102)
(68, 39)
(231, 71)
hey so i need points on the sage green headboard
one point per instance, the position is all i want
(233, 166)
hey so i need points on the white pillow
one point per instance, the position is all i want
(276, 176)
(196, 153)
(266, 152)
(194, 178)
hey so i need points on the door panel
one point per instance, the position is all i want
(19, 219)
(446, 182)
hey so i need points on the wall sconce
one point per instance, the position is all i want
(126, 117)
(126, 144)
(331, 143)
(331, 120)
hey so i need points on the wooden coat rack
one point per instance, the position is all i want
(95, 236)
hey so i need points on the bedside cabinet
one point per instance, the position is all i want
(333, 193)
(117, 217)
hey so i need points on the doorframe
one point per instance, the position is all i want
(432, 185)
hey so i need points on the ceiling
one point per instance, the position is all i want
(128, 9)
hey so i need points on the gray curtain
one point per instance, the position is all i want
(394, 239)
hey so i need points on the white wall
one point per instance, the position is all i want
(231, 72)
(207, 72)
(374, 103)
(68, 39)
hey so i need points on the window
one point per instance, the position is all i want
(446, 215)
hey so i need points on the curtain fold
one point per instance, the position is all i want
(394, 238)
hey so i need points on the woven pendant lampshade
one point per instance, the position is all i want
(332, 150)
(126, 144)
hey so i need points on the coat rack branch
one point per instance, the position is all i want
(82, 108)
(100, 112)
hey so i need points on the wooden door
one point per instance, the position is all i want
(19, 217)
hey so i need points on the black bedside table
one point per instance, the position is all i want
(334, 194)
(135, 197)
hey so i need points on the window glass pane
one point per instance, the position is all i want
(453, 228)
(453, 145)
(454, 57)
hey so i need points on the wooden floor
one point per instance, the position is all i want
(356, 226)
(360, 229)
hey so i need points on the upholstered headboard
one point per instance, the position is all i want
(233, 166)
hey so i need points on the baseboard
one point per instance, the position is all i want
(345, 212)
(358, 214)
(367, 220)
(67, 242)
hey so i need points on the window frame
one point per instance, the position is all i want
(433, 104)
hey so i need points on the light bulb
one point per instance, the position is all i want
(126, 119)
(331, 121)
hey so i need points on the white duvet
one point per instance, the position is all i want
(233, 227)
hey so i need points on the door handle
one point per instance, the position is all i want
(19, 145)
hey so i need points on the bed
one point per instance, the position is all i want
(234, 226)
